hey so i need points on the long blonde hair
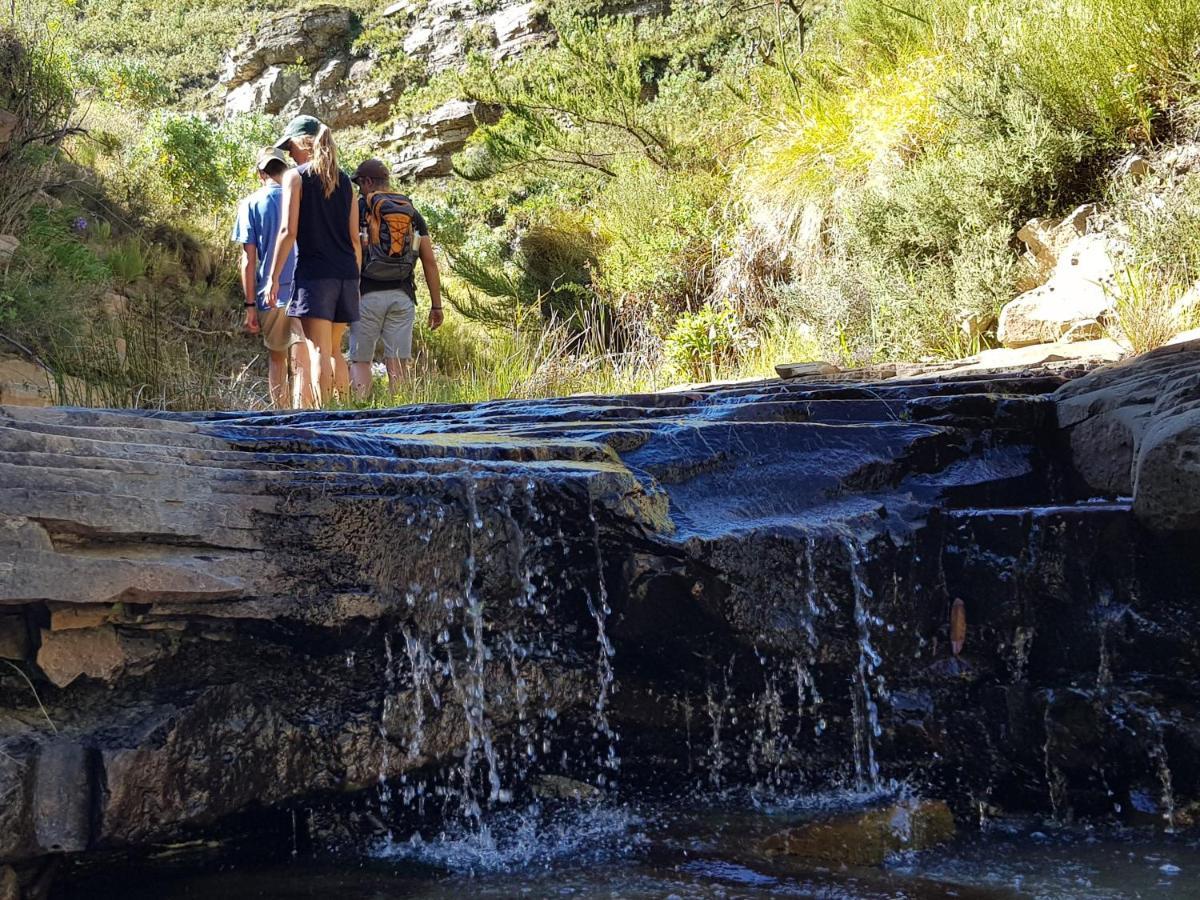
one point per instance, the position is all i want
(323, 161)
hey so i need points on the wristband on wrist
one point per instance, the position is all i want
(250, 305)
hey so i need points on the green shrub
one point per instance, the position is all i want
(707, 342)
(36, 89)
(657, 232)
(1146, 307)
(127, 82)
(187, 165)
(127, 261)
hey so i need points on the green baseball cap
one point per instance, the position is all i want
(301, 126)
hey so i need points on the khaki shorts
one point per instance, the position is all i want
(383, 314)
(279, 331)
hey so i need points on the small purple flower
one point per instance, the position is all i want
(80, 224)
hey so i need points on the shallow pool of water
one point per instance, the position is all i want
(611, 851)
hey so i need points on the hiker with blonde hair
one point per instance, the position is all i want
(320, 219)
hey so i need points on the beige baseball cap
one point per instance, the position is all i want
(270, 154)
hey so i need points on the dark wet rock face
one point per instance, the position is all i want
(429, 611)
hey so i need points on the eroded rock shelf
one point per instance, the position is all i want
(416, 612)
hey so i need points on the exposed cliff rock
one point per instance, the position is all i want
(443, 32)
(228, 613)
(425, 145)
(304, 35)
(302, 62)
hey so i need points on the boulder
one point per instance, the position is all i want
(304, 36)
(102, 653)
(68, 616)
(8, 248)
(25, 383)
(268, 92)
(427, 144)
(1134, 166)
(1083, 330)
(867, 838)
(559, 787)
(1080, 289)
(62, 798)
(806, 369)
(1046, 239)
(114, 304)
(1134, 429)
(1181, 159)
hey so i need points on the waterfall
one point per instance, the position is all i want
(867, 683)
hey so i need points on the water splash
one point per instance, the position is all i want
(1157, 751)
(536, 837)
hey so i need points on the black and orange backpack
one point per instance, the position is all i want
(392, 246)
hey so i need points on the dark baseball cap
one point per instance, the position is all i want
(301, 126)
(375, 169)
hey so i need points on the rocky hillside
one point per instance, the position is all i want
(314, 61)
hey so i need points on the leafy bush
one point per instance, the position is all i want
(36, 89)
(707, 342)
(188, 165)
(123, 81)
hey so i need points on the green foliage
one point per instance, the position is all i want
(707, 342)
(583, 104)
(192, 166)
(36, 90)
(545, 276)
(657, 232)
(183, 42)
(127, 261)
(128, 82)
(1145, 306)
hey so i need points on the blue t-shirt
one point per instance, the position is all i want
(258, 224)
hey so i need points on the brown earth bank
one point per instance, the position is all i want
(211, 621)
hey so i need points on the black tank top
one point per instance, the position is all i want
(323, 245)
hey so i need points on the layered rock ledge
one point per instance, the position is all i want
(212, 619)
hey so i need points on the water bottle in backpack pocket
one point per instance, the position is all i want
(392, 246)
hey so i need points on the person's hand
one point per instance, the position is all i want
(271, 291)
(250, 326)
(435, 318)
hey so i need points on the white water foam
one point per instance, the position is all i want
(533, 838)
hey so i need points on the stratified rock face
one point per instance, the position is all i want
(302, 36)
(1134, 432)
(425, 611)
(427, 143)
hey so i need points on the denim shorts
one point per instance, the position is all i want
(334, 299)
(388, 315)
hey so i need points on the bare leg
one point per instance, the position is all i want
(341, 371)
(360, 374)
(397, 370)
(320, 334)
(277, 379)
